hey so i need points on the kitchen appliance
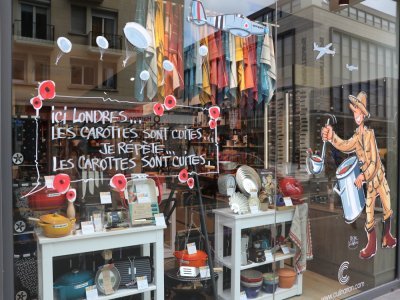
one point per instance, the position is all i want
(73, 285)
(55, 225)
(226, 184)
(134, 267)
(256, 255)
(353, 199)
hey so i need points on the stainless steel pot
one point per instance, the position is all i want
(353, 199)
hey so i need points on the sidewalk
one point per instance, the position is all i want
(395, 295)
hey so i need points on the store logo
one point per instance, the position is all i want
(343, 279)
(353, 242)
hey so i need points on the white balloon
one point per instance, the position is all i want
(102, 42)
(168, 65)
(137, 35)
(203, 50)
(64, 44)
(144, 75)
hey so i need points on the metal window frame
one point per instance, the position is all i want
(6, 231)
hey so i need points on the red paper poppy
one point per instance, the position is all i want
(158, 109)
(71, 195)
(36, 103)
(61, 183)
(47, 89)
(212, 124)
(214, 112)
(170, 102)
(190, 182)
(118, 182)
(183, 175)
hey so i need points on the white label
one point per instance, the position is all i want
(253, 193)
(254, 209)
(160, 220)
(105, 197)
(230, 191)
(142, 194)
(87, 227)
(285, 249)
(142, 282)
(191, 248)
(243, 295)
(288, 201)
(49, 181)
(268, 256)
(91, 293)
(204, 272)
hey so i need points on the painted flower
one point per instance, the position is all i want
(71, 195)
(190, 182)
(183, 175)
(158, 109)
(47, 90)
(170, 102)
(118, 182)
(36, 103)
(61, 183)
(214, 112)
(212, 124)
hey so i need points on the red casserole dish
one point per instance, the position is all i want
(46, 199)
(198, 259)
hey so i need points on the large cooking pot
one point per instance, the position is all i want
(353, 199)
(46, 199)
(73, 285)
(197, 259)
(55, 225)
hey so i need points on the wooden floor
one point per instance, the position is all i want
(316, 286)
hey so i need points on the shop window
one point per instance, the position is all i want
(109, 77)
(83, 72)
(19, 67)
(78, 19)
(34, 22)
(41, 66)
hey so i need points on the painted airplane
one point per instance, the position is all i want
(236, 24)
(351, 68)
(324, 50)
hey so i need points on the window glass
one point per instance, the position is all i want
(78, 19)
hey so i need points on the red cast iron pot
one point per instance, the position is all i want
(199, 259)
(291, 187)
(46, 199)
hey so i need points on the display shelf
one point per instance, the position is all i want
(227, 260)
(278, 295)
(127, 292)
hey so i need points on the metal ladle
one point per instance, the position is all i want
(315, 163)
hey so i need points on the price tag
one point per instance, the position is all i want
(49, 181)
(254, 209)
(91, 293)
(288, 201)
(204, 272)
(285, 249)
(160, 220)
(243, 295)
(105, 197)
(230, 191)
(87, 227)
(253, 193)
(191, 248)
(142, 283)
(268, 256)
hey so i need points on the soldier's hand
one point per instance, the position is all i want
(359, 181)
(327, 133)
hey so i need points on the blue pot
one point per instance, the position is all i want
(73, 285)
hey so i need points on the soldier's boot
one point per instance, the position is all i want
(370, 249)
(388, 241)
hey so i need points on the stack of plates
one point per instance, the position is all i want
(248, 180)
(226, 182)
(239, 204)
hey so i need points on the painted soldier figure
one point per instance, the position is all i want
(363, 143)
